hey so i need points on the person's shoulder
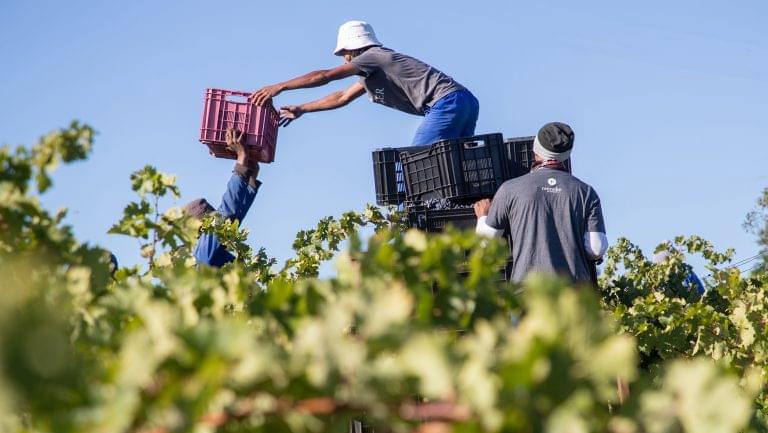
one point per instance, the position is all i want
(582, 185)
(373, 56)
(517, 182)
(376, 51)
(579, 181)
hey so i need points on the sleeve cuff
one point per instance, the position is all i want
(247, 174)
(484, 229)
(243, 171)
(595, 244)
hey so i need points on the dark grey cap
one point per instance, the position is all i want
(198, 208)
(554, 141)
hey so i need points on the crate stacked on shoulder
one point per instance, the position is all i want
(223, 109)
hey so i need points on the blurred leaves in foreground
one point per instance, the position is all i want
(398, 337)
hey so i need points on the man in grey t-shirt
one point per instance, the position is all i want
(555, 220)
(390, 78)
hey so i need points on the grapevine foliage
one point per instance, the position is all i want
(413, 332)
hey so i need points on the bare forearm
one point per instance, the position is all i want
(242, 158)
(334, 100)
(313, 79)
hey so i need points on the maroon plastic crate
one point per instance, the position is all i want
(230, 109)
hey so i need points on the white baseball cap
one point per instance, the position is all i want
(354, 35)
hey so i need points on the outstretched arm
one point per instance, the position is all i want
(335, 100)
(312, 79)
(242, 186)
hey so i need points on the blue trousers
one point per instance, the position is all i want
(452, 116)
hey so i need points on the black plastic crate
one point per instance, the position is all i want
(502, 276)
(388, 174)
(461, 169)
(520, 157)
(463, 218)
(436, 220)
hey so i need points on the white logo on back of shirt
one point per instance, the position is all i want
(551, 188)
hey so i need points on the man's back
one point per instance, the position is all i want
(547, 213)
(402, 82)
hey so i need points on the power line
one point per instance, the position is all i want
(747, 260)
(741, 263)
(756, 266)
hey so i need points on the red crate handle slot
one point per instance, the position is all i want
(228, 92)
(235, 97)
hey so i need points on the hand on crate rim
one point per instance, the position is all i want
(264, 95)
(290, 113)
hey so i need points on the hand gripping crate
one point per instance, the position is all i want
(230, 109)
(460, 169)
(520, 156)
(388, 174)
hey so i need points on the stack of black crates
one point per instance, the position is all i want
(438, 184)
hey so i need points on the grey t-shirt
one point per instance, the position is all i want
(547, 213)
(402, 82)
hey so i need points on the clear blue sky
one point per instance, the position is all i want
(668, 100)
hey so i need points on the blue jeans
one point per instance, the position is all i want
(452, 116)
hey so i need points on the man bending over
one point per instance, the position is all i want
(391, 79)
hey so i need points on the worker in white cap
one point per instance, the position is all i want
(390, 78)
